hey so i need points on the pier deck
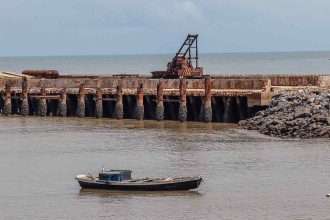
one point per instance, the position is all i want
(211, 98)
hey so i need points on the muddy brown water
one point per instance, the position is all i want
(246, 175)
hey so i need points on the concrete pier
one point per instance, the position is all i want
(209, 98)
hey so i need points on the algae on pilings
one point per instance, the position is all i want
(160, 111)
(182, 112)
(207, 107)
(81, 107)
(207, 110)
(139, 112)
(228, 111)
(25, 99)
(119, 107)
(63, 109)
(119, 110)
(25, 106)
(99, 101)
(42, 107)
(99, 108)
(7, 107)
(183, 100)
(160, 101)
(242, 107)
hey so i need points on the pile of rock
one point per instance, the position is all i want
(303, 114)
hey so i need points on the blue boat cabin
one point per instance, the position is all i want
(115, 175)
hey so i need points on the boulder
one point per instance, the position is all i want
(302, 113)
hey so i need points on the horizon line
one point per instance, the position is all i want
(165, 54)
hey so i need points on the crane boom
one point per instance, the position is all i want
(185, 61)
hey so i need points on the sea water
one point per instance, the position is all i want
(227, 63)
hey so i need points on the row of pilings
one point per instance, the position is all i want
(140, 106)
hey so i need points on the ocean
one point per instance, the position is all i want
(226, 63)
(246, 175)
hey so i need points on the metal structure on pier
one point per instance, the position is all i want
(185, 62)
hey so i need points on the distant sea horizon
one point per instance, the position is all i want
(228, 63)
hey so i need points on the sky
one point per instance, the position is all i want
(85, 27)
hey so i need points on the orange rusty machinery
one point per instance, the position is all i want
(185, 62)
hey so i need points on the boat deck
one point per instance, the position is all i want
(141, 180)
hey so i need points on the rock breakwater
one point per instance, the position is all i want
(302, 113)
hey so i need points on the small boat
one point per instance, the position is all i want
(121, 180)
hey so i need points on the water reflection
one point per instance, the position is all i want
(109, 193)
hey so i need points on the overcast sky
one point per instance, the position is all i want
(69, 27)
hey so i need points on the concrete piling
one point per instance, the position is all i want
(119, 108)
(241, 108)
(139, 111)
(63, 109)
(99, 103)
(81, 102)
(183, 101)
(7, 110)
(15, 103)
(160, 102)
(207, 103)
(42, 103)
(25, 98)
(227, 112)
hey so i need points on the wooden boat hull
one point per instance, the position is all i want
(192, 183)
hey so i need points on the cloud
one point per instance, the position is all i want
(38, 27)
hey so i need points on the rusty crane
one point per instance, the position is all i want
(185, 62)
